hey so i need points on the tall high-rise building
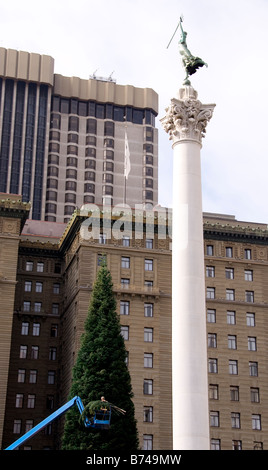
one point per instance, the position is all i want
(63, 139)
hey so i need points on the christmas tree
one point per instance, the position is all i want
(101, 370)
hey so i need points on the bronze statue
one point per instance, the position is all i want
(190, 62)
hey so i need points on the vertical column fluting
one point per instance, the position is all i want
(185, 121)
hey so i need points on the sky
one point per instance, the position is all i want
(129, 38)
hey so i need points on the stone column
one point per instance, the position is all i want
(185, 121)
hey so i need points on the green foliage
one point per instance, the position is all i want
(101, 370)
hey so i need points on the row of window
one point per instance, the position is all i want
(229, 294)
(32, 374)
(234, 393)
(232, 342)
(36, 329)
(233, 367)
(228, 252)
(39, 267)
(125, 308)
(148, 263)
(215, 444)
(235, 420)
(102, 111)
(229, 273)
(231, 317)
(36, 307)
(32, 352)
(28, 285)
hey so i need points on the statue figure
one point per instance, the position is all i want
(190, 62)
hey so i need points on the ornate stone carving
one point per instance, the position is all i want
(186, 118)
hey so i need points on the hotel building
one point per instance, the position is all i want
(62, 139)
(56, 267)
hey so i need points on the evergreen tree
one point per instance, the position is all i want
(101, 370)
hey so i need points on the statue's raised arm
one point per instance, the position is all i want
(190, 63)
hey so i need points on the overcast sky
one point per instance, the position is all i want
(129, 38)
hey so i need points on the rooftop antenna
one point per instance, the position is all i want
(181, 20)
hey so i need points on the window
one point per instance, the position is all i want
(211, 315)
(54, 331)
(23, 352)
(28, 426)
(148, 309)
(31, 401)
(28, 286)
(17, 426)
(249, 296)
(40, 267)
(247, 253)
(230, 294)
(55, 309)
(213, 365)
(50, 402)
(214, 418)
(148, 335)
(233, 367)
(51, 376)
(148, 264)
(125, 332)
(231, 342)
(19, 400)
(229, 252)
(255, 395)
(231, 317)
(148, 285)
(253, 369)
(148, 360)
(215, 444)
(234, 393)
(25, 328)
(256, 422)
(209, 250)
(236, 445)
(147, 442)
(252, 343)
(56, 288)
(26, 306)
(52, 354)
(149, 243)
(148, 387)
(250, 319)
(210, 292)
(102, 238)
(213, 392)
(248, 275)
(21, 375)
(124, 307)
(37, 307)
(125, 262)
(126, 241)
(235, 420)
(210, 271)
(34, 352)
(148, 414)
(125, 283)
(36, 329)
(29, 265)
(229, 273)
(212, 340)
(33, 376)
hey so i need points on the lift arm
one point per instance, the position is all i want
(76, 400)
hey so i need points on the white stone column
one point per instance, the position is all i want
(185, 121)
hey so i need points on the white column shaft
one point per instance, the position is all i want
(189, 354)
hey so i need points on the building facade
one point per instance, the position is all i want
(62, 139)
(57, 266)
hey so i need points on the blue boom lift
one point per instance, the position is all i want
(100, 420)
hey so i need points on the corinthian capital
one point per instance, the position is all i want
(186, 117)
